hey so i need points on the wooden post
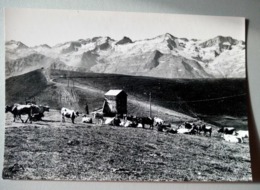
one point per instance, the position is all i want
(150, 100)
(60, 97)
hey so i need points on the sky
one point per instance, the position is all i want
(48, 26)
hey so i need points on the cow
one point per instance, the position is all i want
(146, 121)
(99, 116)
(65, 112)
(206, 129)
(86, 119)
(227, 130)
(126, 123)
(163, 127)
(38, 112)
(193, 130)
(116, 121)
(188, 125)
(158, 121)
(197, 128)
(17, 110)
(241, 133)
(183, 131)
(232, 138)
(171, 130)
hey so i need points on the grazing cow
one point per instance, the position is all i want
(146, 121)
(17, 110)
(99, 116)
(243, 134)
(158, 121)
(232, 138)
(206, 129)
(227, 130)
(65, 112)
(86, 119)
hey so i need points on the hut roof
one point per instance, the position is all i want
(113, 92)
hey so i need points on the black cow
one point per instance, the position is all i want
(188, 125)
(17, 110)
(227, 130)
(146, 121)
(206, 129)
(38, 112)
(163, 127)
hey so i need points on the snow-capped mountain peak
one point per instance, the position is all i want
(162, 56)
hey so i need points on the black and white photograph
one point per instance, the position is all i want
(125, 96)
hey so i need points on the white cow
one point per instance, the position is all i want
(232, 138)
(65, 112)
(109, 121)
(183, 131)
(158, 121)
(241, 133)
(86, 119)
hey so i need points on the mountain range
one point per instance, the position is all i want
(164, 56)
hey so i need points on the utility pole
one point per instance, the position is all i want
(150, 101)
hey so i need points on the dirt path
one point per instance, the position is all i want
(131, 99)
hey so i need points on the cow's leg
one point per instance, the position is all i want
(73, 118)
(26, 119)
(29, 118)
(21, 118)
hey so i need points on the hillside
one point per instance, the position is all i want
(35, 86)
(184, 95)
(222, 103)
(164, 56)
(51, 150)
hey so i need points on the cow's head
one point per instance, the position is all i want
(46, 108)
(8, 108)
(221, 130)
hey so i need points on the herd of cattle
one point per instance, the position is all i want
(36, 112)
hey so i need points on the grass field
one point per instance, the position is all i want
(62, 151)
